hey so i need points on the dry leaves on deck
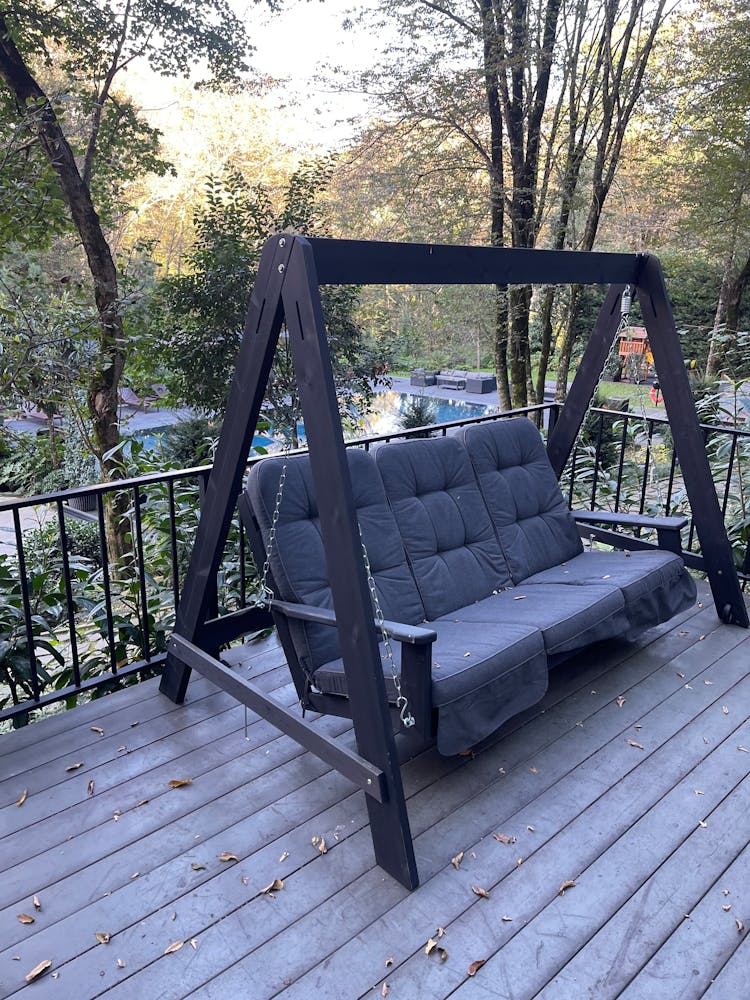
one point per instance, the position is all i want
(25, 918)
(175, 946)
(456, 862)
(103, 937)
(504, 838)
(37, 904)
(320, 843)
(24, 796)
(90, 787)
(479, 891)
(636, 745)
(276, 886)
(97, 729)
(38, 970)
(433, 946)
(567, 884)
(228, 856)
(180, 782)
(740, 925)
(384, 990)
(74, 767)
(475, 966)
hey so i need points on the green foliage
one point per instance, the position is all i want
(190, 443)
(204, 311)
(420, 411)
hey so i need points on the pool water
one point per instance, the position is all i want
(383, 417)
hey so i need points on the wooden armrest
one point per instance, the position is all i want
(667, 528)
(414, 634)
(630, 520)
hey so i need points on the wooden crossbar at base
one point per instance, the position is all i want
(351, 765)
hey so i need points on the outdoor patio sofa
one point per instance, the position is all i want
(473, 551)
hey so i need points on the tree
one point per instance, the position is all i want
(90, 137)
(540, 92)
(204, 309)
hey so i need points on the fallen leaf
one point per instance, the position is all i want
(708, 683)
(440, 932)
(533, 770)
(245, 879)
(680, 674)
(702, 823)
(479, 891)
(197, 866)
(725, 709)
(284, 855)
(697, 791)
(274, 886)
(620, 701)
(24, 795)
(743, 750)
(321, 845)
(504, 838)
(133, 725)
(456, 862)
(116, 815)
(474, 855)
(98, 730)
(228, 856)
(430, 946)
(701, 638)
(38, 970)
(384, 990)
(466, 753)
(506, 920)
(180, 782)
(727, 907)
(521, 597)
(37, 904)
(467, 654)
(475, 966)
(519, 862)
(74, 767)
(725, 892)
(388, 962)
(567, 884)
(90, 787)
(194, 943)
(24, 918)
(531, 829)
(143, 802)
(120, 964)
(740, 925)
(638, 746)
(103, 937)
(175, 946)
(135, 874)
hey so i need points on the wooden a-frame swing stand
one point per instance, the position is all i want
(287, 292)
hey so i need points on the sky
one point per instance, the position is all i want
(296, 44)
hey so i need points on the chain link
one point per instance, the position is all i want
(402, 703)
(265, 594)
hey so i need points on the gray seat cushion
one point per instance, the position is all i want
(655, 585)
(298, 561)
(480, 679)
(532, 520)
(569, 618)
(449, 539)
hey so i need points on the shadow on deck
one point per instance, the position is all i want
(631, 779)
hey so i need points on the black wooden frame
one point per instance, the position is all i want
(287, 291)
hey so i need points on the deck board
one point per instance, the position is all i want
(623, 823)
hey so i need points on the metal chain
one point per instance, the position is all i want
(265, 594)
(402, 703)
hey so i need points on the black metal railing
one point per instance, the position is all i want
(75, 619)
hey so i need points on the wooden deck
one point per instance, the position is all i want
(631, 780)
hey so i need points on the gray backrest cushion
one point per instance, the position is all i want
(444, 523)
(532, 520)
(298, 560)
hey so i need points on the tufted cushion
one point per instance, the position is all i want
(655, 585)
(443, 521)
(535, 527)
(569, 618)
(298, 560)
(480, 678)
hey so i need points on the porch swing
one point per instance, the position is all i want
(348, 540)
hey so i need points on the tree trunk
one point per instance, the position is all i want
(726, 321)
(102, 391)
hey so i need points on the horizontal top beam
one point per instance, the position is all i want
(358, 262)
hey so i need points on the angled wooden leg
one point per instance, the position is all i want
(248, 388)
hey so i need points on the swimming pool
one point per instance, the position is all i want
(383, 417)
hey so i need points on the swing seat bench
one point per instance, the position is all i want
(479, 568)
